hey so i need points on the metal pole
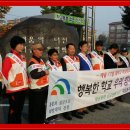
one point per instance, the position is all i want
(86, 24)
(92, 29)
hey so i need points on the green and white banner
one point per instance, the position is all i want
(74, 90)
(69, 19)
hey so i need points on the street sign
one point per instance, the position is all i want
(69, 19)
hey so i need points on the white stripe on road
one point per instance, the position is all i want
(7, 105)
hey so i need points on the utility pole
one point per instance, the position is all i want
(86, 23)
(90, 25)
(93, 28)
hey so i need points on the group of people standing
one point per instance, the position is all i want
(34, 80)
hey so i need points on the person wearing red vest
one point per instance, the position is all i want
(70, 62)
(15, 79)
(38, 74)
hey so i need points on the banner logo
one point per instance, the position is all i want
(62, 85)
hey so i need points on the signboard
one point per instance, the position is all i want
(74, 90)
(69, 19)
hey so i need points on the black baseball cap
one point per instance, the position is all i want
(124, 49)
(99, 43)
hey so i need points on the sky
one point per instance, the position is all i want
(103, 15)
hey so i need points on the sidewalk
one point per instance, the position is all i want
(118, 114)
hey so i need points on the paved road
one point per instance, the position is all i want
(120, 113)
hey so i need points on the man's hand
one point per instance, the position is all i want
(119, 63)
(47, 72)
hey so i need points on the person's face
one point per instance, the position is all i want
(71, 50)
(19, 48)
(38, 52)
(124, 53)
(84, 48)
(113, 51)
(54, 56)
(99, 48)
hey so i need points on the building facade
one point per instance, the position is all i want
(117, 34)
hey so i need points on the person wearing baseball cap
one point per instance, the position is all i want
(37, 46)
(124, 64)
(38, 91)
(98, 64)
(123, 50)
(123, 58)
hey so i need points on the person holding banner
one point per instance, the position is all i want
(125, 64)
(110, 61)
(97, 56)
(38, 91)
(53, 64)
(85, 64)
(98, 64)
(15, 78)
(123, 58)
(70, 62)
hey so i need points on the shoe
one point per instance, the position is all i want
(85, 112)
(81, 113)
(51, 122)
(98, 107)
(67, 117)
(75, 114)
(109, 103)
(52, 118)
(55, 116)
(46, 122)
(59, 118)
(104, 106)
(91, 109)
(119, 99)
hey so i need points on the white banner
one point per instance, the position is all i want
(73, 90)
